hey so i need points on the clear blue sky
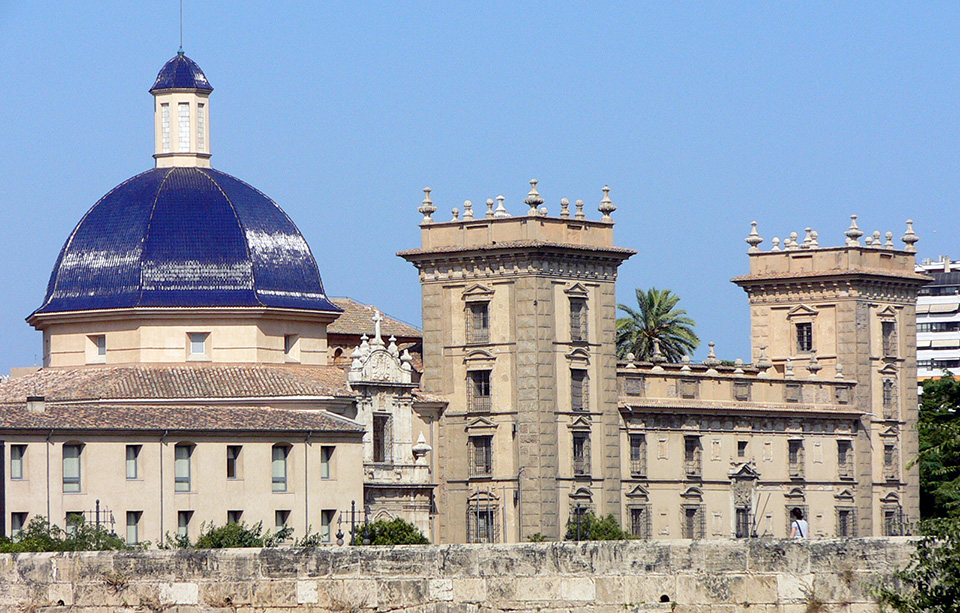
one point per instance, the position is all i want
(700, 117)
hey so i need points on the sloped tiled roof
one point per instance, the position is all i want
(526, 243)
(173, 382)
(181, 73)
(139, 417)
(357, 319)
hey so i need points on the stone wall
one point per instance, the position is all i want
(754, 576)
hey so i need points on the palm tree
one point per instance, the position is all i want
(656, 318)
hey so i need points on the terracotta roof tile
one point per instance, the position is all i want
(357, 319)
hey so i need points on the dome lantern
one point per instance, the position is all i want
(181, 114)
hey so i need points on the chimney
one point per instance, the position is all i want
(36, 405)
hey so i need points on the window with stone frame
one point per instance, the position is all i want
(804, 330)
(891, 461)
(478, 390)
(481, 456)
(889, 334)
(846, 521)
(483, 510)
(694, 521)
(578, 390)
(889, 398)
(581, 453)
(692, 456)
(741, 391)
(742, 527)
(742, 449)
(638, 455)
(845, 459)
(478, 322)
(892, 520)
(640, 522)
(795, 458)
(382, 438)
(578, 319)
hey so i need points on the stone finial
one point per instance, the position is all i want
(364, 346)
(889, 236)
(807, 239)
(738, 366)
(853, 233)
(420, 449)
(712, 362)
(868, 241)
(467, 210)
(813, 367)
(456, 213)
(542, 211)
(564, 208)
(631, 358)
(533, 199)
(490, 212)
(606, 205)
(657, 356)
(427, 207)
(909, 238)
(792, 245)
(392, 347)
(685, 360)
(839, 374)
(814, 243)
(763, 362)
(753, 239)
(406, 361)
(776, 243)
(579, 214)
(501, 210)
(788, 369)
(877, 242)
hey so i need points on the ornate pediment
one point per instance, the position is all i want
(887, 312)
(693, 493)
(890, 498)
(744, 471)
(844, 494)
(477, 292)
(480, 424)
(581, 422)
(582, 494)
(377, 362)
(638, 493)
(795, 494)
(577, 290)
(801, 311)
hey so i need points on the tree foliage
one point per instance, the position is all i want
(656, 317)
(39, 535)
(939, 459)
(390, 532)
(230, 535)
(931, 581)
(593, 528)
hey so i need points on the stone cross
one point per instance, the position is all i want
(376, 325)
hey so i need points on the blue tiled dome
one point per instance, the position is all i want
(181, 73)
(185, 237)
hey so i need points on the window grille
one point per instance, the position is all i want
(478, 323)
(640, 524)
(482, 456)
(692, 456)
(845, 459)
(796, 459)
(478, 387)
(889, 331)
(889, 398)
(578, 390)
(581, 453)
(694, 521)
(482, 524)
(184, 127)
(382, 443)
(742, 526)
(804, 337)
(638, 455)
(891, 461)
(578, 319)
(201, 143)
(846, 521)
(893, 521)
(165, 128)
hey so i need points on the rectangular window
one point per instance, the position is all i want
(181, 467)
(290, 347)
(233, 461)
(71, 468)
(581, 453)
(478, 322)
(889, 331)
(381, 438)
(198, 343)
(18, 455)
(692, 456)
(578, 319)
(482, 522)
(280, 520)
(280, 453)
(165, 127)
(741, 391)
(890, 461)
(201, 142)
(892, 522)
(694, 521)
(640, 522)
(18, 521)
(326, 462)
(742, 528)
(184, 127)
(183, 523)
(133, 527)
(133, 461)
(795, 455)
(846, 522)
(804, 337)
(845, 459)
(889, 398)
(741, 449)
(234, 517)
(638, 455)
(578, 390)
(481, 464)
(478, 387)
(326, 524)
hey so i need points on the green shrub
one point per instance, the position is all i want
(390, 532)
(931, 581)
(230, 535)
(39, 535)
(593, 528)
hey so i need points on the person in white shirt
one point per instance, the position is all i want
(799, 529)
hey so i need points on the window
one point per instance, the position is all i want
(795, 454)
(478, 388)
(71, 467)
(18, 521)
(181, 467)
(381, 438)
(280, 453)
(638, 455)
(846, 522)
(184, 127)
(198, 343)
(165, 127)
(233, 461)
(482, 525)
(694, 521)
(97, 353)
(291, 348)
(482, 456)
(280, 520)
(889, 398)
(234, 517)
(326, 462)
(742, 527)
(892, 521)
(692, 456)
(18, 454)
(478, 322)
(581, 453)
(890, 461)
(578, 390)
(741, 391)
(845, 459)
(640, 521)
(889, 332)
(183, 523)
(133, 527)
(578, 319)
(201, 143)
(741, 449)
(133, 457)
(326, 524)
(804, 337)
